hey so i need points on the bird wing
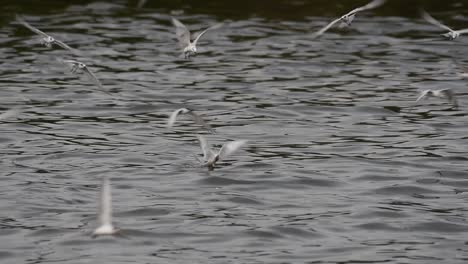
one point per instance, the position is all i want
(33, 29)
(327, 27)
(63, 45)
(208, 153)
(450, 96)
(230, 148)
(433, 21)
(371, 5)
(199, 121)
(173, 117)
(105, 203)
(182, 33)
(462, 31)
(204, 31)
(93, 77)
(422, 95)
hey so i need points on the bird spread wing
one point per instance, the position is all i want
(173, 116)
(33, 29)
(327, 27)
(207, 151)
(433, 21)
(105, 203)
(422, 95)
(371, 5)
(450, 96)
(182, 33)
(199, 121)
(204, 31)
(230, 148)
(462, 31)
(93, 77)
(63, 45)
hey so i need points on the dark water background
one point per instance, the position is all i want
(342, 166)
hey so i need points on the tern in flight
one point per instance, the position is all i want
(46, 39)
(349, 17)
(196, 118)
(443, 93)
(183, 36)
(105, 211)
(76, 65)
(451, 34)
(211, 157)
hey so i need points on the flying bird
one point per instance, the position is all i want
(76, 65)
(211, 157)
(183, 36)
(451, 34)
(105, 210)
(443, 93)
(348, 18)
(46, 39)
(196, 118)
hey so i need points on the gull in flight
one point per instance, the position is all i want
(46, 39)
(444, 93)
(451, 34)
(76, 65)
(105, 211)
(211, 157)
(183, 36)
(196, 118)
(349, 17)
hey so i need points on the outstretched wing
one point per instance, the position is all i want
(182, 33)
(422, 95)
(208, 154)
(462, 31)
(230, 148)
(105, 203)
(199, 121)
(371, 5)
(327, 27)
(433, 21)
(33, 29)
(63, 45)
(450, 96)
(204, 31)
(173, 116)
(93, 77)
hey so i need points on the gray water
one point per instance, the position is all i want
(342, 165)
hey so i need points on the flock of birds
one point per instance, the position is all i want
(189, 48)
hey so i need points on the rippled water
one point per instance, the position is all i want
(342, 165)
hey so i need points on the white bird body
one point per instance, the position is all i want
(348, 18)
(451, 34)
(443, 93)
(211, 157)
(183, 36)
(105, 210)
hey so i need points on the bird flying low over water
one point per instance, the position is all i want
(443, 93)
(76, 65)
(105, 211)
(451, 34)
(196, 118)
(348, 18)
(46, 39)
(183, 36)
(211, 157)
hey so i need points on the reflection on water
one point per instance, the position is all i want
(342, 165)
